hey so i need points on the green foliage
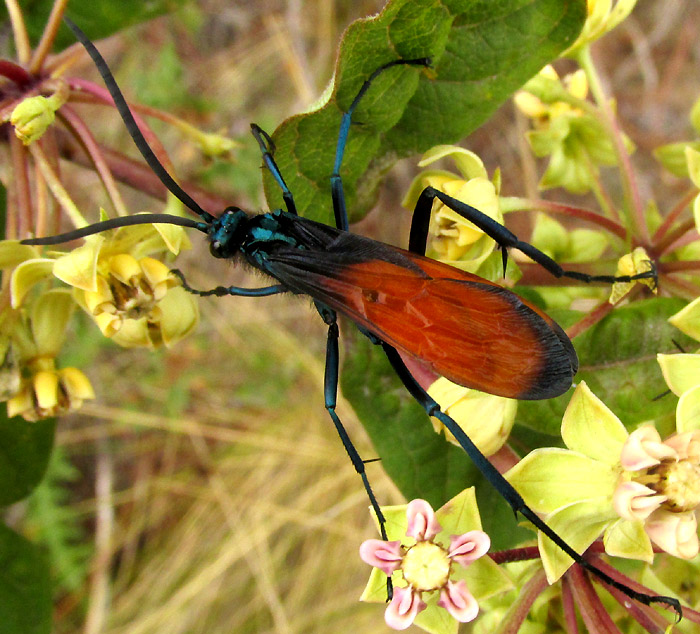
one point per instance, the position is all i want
(618, 361)
(24, 454)
(97, 18)
(56, 527)
(25, 590)
(481, 52)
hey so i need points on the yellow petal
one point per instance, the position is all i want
(46, 389)
(101, 301)
(158, 277)
(20, 403)
(124, 267)
(26, 275)
(76, 384)
(79, 267)
(109, 324)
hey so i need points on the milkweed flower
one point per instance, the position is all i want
(634, 263)
(131, 296)
(634, 489)
(603, 16)
(567, 130)
(485, 418)
(32, 383)
(456, 240)
(437, 570)
(34, 115)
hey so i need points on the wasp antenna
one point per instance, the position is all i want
(113, 223)
(131, 125)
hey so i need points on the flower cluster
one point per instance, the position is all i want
(131, 297)
(631, 488)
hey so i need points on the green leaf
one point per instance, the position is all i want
(421, 463)
(25, 588)
(25, 449)
(617, 359)
(97, 18)
(481, 53)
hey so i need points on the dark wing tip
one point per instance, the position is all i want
(559, 367)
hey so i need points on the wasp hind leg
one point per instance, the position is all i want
(505, 238)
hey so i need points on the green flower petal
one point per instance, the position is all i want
(13, 253)
(549, 479)
(625, 538)
(79, 267)
(586, 245)
(672, 157)
(550, 236)
(681, 371)
(484, 577)
(459, 515)
(591, 428)
(579, 524)
(26, 275)
(687, 320)
(180, 315)
(134, 333)
(375, 590)
(50, 315)
(396, 522)
(468, 163)
(419, 184)
(436, 620)
(692, 156)
(688, 411)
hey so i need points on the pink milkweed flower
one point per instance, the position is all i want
(429, 564)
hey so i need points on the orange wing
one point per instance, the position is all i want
(467, 329)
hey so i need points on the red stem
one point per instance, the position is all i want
(682, 288)
(102, 94)
(90, 145)
(589, 320)
(19, 224)
(594, 615)
(515, 554)
(582, 214)
(647, 617)
(569, 606)
(15, 73)
(136, 174)
(674, 235)
(673, 214)
(519, 609)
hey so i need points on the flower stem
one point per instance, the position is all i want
(19, 31)
(629, 184)
(56, 187)
(83, 134)
(48, 36)
(587, 215)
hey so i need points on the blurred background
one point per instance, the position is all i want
(205, 489)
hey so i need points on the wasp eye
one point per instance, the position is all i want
(215, 248)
